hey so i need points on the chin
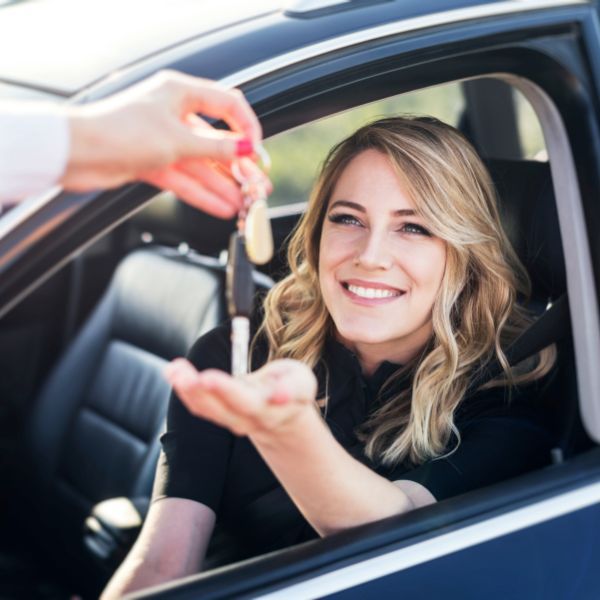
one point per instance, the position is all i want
(363, 335)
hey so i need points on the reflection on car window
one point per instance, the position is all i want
(297, 154)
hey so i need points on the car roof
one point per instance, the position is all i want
(63, 46)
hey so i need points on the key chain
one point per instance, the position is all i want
(253, 222)
(253, 241)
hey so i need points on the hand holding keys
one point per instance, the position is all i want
(253, 241)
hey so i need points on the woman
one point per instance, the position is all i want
(402, 286)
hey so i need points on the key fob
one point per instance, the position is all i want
(259, 236)
(239, 284)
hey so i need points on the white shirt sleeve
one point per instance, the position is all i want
(34, 148)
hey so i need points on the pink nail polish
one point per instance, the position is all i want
(244, 147)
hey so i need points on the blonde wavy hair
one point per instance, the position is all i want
(475, 315)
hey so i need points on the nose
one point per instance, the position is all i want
(375, 252)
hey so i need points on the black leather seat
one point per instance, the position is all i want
(530, 219)
(94, 430)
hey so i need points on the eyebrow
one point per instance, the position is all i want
(403, 212)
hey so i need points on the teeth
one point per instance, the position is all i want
(364, 292)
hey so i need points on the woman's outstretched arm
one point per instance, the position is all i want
(275, 407)
(332, 489)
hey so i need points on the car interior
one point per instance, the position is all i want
(81, 358)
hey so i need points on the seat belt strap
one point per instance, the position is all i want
(550, 327)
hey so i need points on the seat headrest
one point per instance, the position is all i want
(530, 219)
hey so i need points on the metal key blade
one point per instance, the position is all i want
(240, 296)
(240, 340)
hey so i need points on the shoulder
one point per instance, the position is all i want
(503, 401)
(212, 350)
(502, 434)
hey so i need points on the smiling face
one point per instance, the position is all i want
(379, 267)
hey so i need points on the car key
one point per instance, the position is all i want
(240, 296)
(253, 240)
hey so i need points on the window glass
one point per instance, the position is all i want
(298, 154)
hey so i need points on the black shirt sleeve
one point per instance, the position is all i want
(195, 453)
(500, 438)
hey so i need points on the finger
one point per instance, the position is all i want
(185, 379)
(175, 365)
(280, 396)
(190, 386)
(180, 367)
(198, 124)
(214, 143)
(219, 407)
(251, 171)
(239, 395)
(214, 180)
(290, 376)
(190, 191)
(214, 100)
(196, 121)
(211, 408)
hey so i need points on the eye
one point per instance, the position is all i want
(344, 219)
(416, 229)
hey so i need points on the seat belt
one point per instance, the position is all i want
(550, 327)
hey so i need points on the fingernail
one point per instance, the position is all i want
(244, 147)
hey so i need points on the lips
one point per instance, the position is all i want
(371, 290)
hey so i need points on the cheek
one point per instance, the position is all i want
(438, 265)
(334, 252)
(427, 265)
(334, 249)
(325, 265)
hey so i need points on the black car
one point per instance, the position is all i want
(99, 290)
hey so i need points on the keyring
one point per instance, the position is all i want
(265, 159)
(264, 163)
(251, 188)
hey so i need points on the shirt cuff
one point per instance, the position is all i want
(34, 148)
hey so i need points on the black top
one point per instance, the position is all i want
(206, 463)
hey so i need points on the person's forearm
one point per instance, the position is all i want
(332, 489)
(145, 568)
(172, 544)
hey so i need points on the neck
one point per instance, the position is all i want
(371, 355)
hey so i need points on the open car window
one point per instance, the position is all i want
(298, 154)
